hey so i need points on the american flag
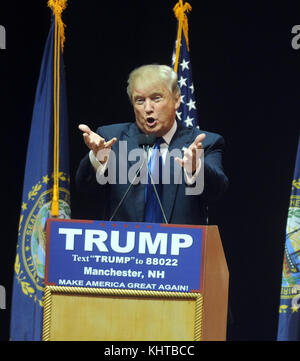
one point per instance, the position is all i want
(187, 112)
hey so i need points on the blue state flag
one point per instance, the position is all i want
(29, 268)
(187, 112)
(289, 310)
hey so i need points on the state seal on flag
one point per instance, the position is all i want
(290, 289)
(291, 266)
(30, 258)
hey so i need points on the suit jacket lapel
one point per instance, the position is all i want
(182, 138)
(137, 193)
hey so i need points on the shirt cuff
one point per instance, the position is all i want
(99, 167)
(191, 178)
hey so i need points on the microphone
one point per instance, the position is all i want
(146, 140)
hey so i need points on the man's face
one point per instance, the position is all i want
(154, 108)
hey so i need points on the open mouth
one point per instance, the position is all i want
(151, 121)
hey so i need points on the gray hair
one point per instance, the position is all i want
(152, 74)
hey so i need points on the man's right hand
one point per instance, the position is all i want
(96, 143)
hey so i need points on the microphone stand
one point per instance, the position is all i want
(145, 147)
(127, 190)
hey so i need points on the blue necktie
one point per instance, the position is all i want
(153, 212)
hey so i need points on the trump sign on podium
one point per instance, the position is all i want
(137, 256)
(130, 281)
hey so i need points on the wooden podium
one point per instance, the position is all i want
(75, 312)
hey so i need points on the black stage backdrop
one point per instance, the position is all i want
(247, 84)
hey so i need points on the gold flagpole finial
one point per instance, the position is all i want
(57, 7)
(180, 11)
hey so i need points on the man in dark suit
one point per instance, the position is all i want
(155, 96)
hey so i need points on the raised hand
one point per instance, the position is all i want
(96, 143)
(192, 154)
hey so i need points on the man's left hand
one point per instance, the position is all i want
(191, 156)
